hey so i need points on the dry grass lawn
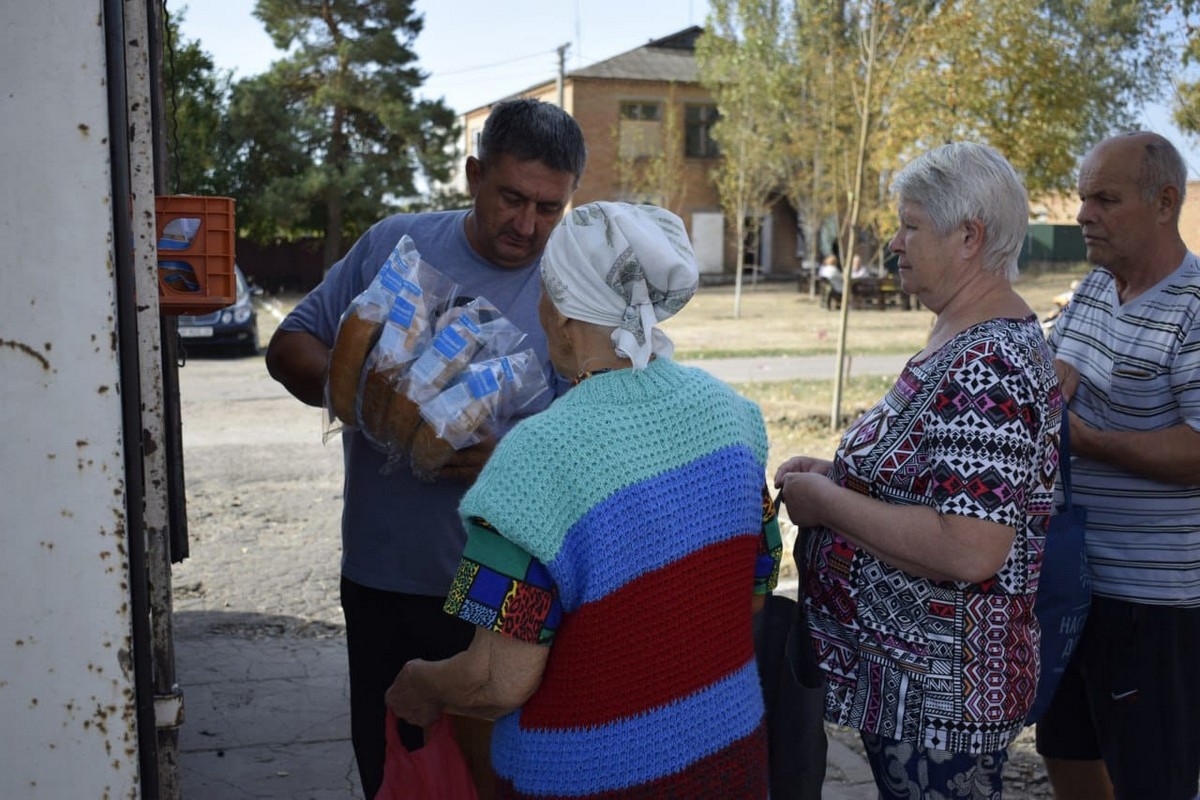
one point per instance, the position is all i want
(777, 319)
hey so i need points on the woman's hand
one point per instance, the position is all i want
(801, 464)
(802, 492)
(409, 699)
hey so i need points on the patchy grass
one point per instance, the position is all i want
(778, 320)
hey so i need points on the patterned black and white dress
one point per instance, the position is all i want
(969, 430)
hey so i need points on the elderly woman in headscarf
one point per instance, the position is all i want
(923, 537)
(617, 545)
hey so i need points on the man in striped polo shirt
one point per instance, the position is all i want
(1125, 722)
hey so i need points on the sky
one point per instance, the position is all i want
(476, 51)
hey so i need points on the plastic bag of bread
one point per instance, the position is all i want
(384, 414)
(360, 329)
(466, 333)
(468, 409)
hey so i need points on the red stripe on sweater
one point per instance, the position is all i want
(738, 771)
(662, 636)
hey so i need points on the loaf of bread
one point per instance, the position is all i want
(458, 417)
(388, 416)
(360, 330)
(377, 392)
(448, 353)
(403, 336)
(357, 335)
(430, 452)
(385, 328)
(400, 424)
(434, 442)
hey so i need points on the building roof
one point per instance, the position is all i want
(672, 58)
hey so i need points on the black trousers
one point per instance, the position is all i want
(384, 630)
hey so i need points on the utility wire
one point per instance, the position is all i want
(497, 63)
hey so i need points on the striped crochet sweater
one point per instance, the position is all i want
(625, 526)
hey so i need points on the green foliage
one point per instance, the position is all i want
(1187, 105)
(1040, 80)
(743, 62)
(329, 139)
(658, 178)
(863, 86)
(194, 100)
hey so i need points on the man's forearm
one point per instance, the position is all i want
(1171, 455)
(299, 361)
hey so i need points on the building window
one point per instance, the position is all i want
(649, 112)
(641, 129)
(697, 132)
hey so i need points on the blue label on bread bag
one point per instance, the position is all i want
(481, 383)
(506, 365)
(402, 312)
(390, 279)
(449, 342)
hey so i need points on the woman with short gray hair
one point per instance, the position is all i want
(921, 537)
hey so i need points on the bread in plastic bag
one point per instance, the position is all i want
(465, 412)
(359, 331)
(383, 410)
(466, 333)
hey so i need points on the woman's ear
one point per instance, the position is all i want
(973, 231)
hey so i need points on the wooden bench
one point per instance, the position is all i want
(876, 292)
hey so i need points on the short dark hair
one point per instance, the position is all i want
(531, 130)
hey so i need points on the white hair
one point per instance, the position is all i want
(964, 181)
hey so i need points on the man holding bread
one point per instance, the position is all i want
(401, 536)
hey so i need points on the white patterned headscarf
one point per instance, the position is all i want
(623, 266)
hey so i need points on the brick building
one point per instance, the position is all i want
(647, 104)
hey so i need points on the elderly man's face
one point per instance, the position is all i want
(517, 204)
(1119, 226)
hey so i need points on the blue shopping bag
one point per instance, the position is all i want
(1064, 593)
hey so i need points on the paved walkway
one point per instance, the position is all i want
(269, 718)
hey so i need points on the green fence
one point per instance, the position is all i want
(1048, 242)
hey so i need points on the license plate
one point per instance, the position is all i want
(195, 333)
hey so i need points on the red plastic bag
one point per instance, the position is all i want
(437, 771)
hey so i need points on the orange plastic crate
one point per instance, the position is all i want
(195, 253)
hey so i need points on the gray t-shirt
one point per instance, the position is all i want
(399, 533)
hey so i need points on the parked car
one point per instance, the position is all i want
(234, 326)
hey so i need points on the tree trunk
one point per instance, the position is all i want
(333, 233)
(839, 380)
